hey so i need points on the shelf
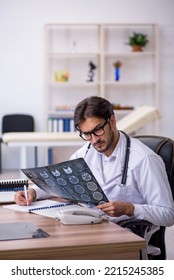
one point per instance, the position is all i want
(70, 47)
(129, 84)
(61, 114)
(72, 55)
(74, 84)
(129, 54)
(70, 114)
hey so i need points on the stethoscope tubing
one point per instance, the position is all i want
(126, 159)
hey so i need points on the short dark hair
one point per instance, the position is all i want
(93, 106)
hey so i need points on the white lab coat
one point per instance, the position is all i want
(147, 185)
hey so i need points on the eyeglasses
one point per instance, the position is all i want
(98, 131)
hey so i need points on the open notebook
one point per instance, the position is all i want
(44, 207)
(72, 180)
(36, 206)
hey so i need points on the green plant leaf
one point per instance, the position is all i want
(138, 39)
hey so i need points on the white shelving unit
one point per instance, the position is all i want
(70, 48)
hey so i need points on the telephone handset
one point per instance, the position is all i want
(75, 214)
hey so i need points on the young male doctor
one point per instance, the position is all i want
(144, 194)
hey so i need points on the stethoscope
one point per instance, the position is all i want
(126, 160)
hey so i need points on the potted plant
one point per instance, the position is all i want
(138, 41)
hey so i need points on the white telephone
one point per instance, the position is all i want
(75, 214)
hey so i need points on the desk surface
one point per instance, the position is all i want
(100, 241)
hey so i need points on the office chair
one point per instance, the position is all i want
(17, 123)
(164, 147)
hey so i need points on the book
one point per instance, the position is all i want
(8, 188)
(20, 230)
(72, 180)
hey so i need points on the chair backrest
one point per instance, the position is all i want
(164, 147)
(17, 123)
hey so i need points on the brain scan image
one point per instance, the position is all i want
(55, 172)
(85, 198)
(97, 195)
(44, 174)
(32, 175)
(92, 186)
(86, 176)
(67, 169)
(61, 182)
(40, 182)
(50, 182)
(79, 189)
(73, 180)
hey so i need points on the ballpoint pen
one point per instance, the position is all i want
(26, 194)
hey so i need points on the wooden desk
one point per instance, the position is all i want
(85, 242)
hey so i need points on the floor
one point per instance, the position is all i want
(15, 174)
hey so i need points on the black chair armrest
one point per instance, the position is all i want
(139, 227)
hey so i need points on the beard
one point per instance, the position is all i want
(103, 146)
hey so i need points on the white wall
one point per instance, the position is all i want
(22, 50)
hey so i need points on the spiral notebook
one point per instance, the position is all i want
(37, 206)
(8, 188)
(72, 180)
(12, 185)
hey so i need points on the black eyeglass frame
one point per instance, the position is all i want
(93, 131)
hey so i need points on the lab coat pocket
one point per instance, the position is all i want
(122, 192)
